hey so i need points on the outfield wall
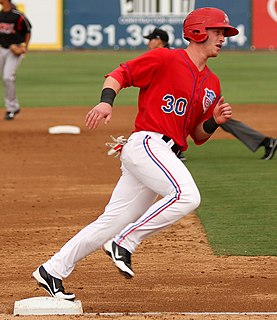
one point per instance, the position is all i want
(121, 24)
(46, 17)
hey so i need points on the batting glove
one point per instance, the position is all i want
(116, 146)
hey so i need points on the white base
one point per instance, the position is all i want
(64, 129)
(47, 305)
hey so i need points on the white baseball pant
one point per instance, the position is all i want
(9, 63)
(149, 168)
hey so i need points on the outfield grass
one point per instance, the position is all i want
(68, 78)
(75, 78)
(247, 77)
(239, 202)
(238, 209)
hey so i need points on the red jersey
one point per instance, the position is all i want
(174, 95)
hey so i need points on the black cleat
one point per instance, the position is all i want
(270, 149)
(10, 115)
(51, 284)
(121, 258)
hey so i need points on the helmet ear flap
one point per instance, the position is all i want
(201, 37)
(195, 32)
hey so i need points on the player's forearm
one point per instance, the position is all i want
(204, 130)
(200, 134)
(111, 87)
(112, 83)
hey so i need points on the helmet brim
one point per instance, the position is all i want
(230, 31)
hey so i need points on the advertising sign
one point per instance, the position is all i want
(46, 19)
(123, 23)
(264, 24)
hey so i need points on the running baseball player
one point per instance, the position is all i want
(179, 97)
(15, 34)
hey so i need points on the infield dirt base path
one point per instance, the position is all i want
(54, 185)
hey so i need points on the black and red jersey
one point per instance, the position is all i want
(13, 27)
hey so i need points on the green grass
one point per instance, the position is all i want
(247, 77)
(238, 209)
(76, 78)
(67, 78)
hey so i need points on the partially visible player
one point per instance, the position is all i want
(179, 97)
(252, 138)
(15, 34)
(158, 38)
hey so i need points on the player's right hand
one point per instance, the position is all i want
(101, 111)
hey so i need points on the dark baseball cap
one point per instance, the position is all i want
(157, 34)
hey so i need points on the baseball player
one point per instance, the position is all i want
(250, 137)
(179, 97)
(15, 34)
(158, 38)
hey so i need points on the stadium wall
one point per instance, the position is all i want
(121, 24)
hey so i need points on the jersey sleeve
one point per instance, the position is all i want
(23, 25)
(121, 76)
(139, 71)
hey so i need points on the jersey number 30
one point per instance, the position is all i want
(178, 106)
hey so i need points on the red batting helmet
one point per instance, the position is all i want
(199, 20)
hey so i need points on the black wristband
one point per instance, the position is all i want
(108, 95)
(210, 125)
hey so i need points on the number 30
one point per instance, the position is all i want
(178, 106)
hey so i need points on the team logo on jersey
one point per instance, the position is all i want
(208, 99)
(7, 28)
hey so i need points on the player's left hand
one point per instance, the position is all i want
(18, 49)
(222, 111)
(101, 111)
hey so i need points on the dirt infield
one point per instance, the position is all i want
(53, 185)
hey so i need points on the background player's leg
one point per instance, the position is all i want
(3, 53)
(247, 135)
(9, 74)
